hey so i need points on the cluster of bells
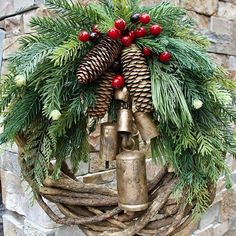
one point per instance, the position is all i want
(120, 141)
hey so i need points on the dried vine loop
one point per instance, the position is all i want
(94, 208)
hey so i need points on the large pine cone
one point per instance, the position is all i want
(98, 60)
(137, 78)
(103, 95)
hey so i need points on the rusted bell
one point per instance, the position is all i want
(124, 120)
(108, 141)
(122, 94)
(132, 181)
(146, 126)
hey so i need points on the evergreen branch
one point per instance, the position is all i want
(51, 95)
(57, 27)
(86, 16)
(69, 51)
(23, 111)
(27, 61)
(164, 86)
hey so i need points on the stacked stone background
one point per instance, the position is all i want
(217, 20)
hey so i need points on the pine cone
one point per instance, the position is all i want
(103, 95)
(137, 78)
(98, 60)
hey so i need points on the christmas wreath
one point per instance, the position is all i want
(148, 69)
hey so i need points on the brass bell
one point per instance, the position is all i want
(146, 126)
(124, 120)
(132, 181)
(108, 141)
(122, 94)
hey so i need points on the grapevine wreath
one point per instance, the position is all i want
(148, 69)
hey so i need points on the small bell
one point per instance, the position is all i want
(122, 94)
(132, 181)
(108, 141)
(146, 126)
(124, 120)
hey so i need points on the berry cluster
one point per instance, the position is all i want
(127, 37)
(85, 36)
(163, 56)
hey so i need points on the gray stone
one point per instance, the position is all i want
(234, 176)
(31, 229)
(14, 26)
(6, 7)
(211, 216)
(153, 2)
(232, 48)
(23, 4)
(152, 169)
(12, 192)
(41, 11)
(220, 229)
(202, 21)
(201, 6)
(221, 44)
(231, 1)
(18, 197)
(10, 45)
(9, 162)
(9, 147)
(2, 36)
(96, 163)
(101, 177)
(69, 230)
(220, 59)
(4, 70)
(208, 231)
(232, 63)
(227, 10)
(82, 169)
(232, 228)
(12, 6)
(13, 224)
(220, 26)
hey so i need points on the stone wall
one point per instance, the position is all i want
(217, 20)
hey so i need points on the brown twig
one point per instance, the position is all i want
(78, 186)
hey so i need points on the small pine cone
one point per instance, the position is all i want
(137, 78)
(98, 60)
(103, 95)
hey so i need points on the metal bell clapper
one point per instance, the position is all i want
(108, 141)
(132, 181)
(146, 126)
(122, 94)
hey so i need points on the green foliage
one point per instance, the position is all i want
(193, 141)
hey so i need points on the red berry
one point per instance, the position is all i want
(84, 36)
(140, 32)
(95, 29)
(118, 81)
(147, 52)
(126, 40)
(145, 18)
(120, 24)
(132, 35)
(155, 30)
(165, 56)
(114, 33)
